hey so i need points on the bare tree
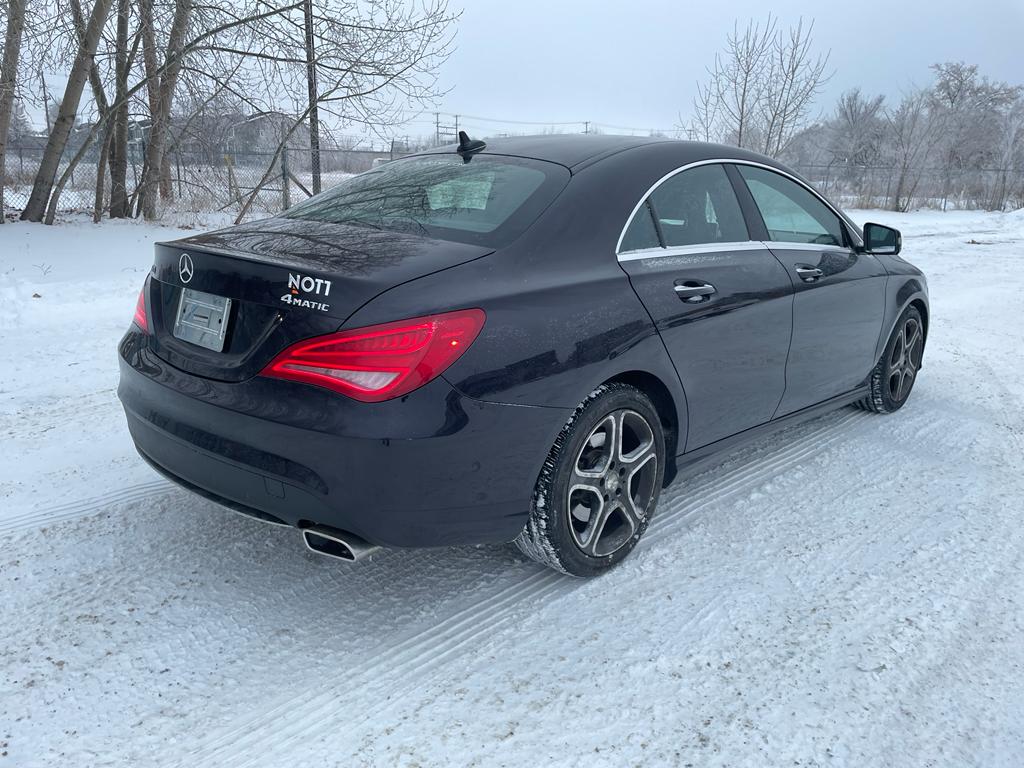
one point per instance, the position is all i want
(311, 87)
(858, 129)
(58, 138)
(760, 90)
(972, 109)
(855, 138)
(738, 81)
(704, 123)
(117, 142)
(793, 80)
(160, 118)
(959, 140)
(356, 62)
(1009, 153)
(369, 58)
(913, 132)
(8, 78)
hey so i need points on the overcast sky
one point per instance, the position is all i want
(636, 63)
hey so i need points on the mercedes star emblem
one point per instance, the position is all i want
(185, 268)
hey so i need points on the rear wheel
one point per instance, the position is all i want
(893, 377)
(599, 485)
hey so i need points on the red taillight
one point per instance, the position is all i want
(380, 362)
(140, 310)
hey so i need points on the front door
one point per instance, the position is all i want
(722, 302)
(840, 294)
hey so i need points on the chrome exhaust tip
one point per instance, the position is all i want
(338, 544)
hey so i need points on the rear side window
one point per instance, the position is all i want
(791, 213)
(699, 206)
(641, 233)
(489, 200)
(694, 207)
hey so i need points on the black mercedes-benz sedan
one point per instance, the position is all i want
(522, 340)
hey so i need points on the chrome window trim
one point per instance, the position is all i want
(746, 245)
(851, 227)
(688, 250)
(819, 247)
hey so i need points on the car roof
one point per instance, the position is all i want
(576, 150)
(568, 149)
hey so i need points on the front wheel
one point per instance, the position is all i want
(893, 377)
(599, 484)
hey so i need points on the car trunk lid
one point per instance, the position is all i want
(286, 280)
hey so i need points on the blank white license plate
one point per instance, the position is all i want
(202, 319)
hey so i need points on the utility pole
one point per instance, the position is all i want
(440, 131)
(314, 99)
(46, 103)
(586, 126)
(286, 198)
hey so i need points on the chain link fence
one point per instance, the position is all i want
(196, 180)
(225, 180)
(895, 188)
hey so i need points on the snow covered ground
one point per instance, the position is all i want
(847, 592)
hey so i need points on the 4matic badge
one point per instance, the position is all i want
(304, 284)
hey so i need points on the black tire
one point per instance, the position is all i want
(893, 377)
(571, 527)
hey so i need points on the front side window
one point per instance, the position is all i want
(791, 213)
(488, 200)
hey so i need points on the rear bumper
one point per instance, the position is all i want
(433, 468)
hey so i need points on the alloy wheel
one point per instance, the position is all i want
(613, 483)
(905, 359)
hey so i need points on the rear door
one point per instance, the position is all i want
(721, 301)
(839, 293)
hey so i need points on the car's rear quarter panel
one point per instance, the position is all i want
(561, 315)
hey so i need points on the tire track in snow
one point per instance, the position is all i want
(735, 481)
(301, 717)
(281, 729)
(39, 517)
(740, 483)
(892, 632)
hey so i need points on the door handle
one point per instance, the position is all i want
(807, 273)
(694, 292)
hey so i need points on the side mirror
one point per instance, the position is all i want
(882, 240)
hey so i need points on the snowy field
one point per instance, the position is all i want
(848, 592)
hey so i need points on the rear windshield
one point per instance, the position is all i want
(489, 200)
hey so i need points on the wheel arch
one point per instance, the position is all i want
(661, 396)
(901, 295)
(922, 307)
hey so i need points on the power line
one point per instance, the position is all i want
(586, 126)
(513, 122)
(637, 130)
(447, 124)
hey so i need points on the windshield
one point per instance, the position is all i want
(489, 200)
